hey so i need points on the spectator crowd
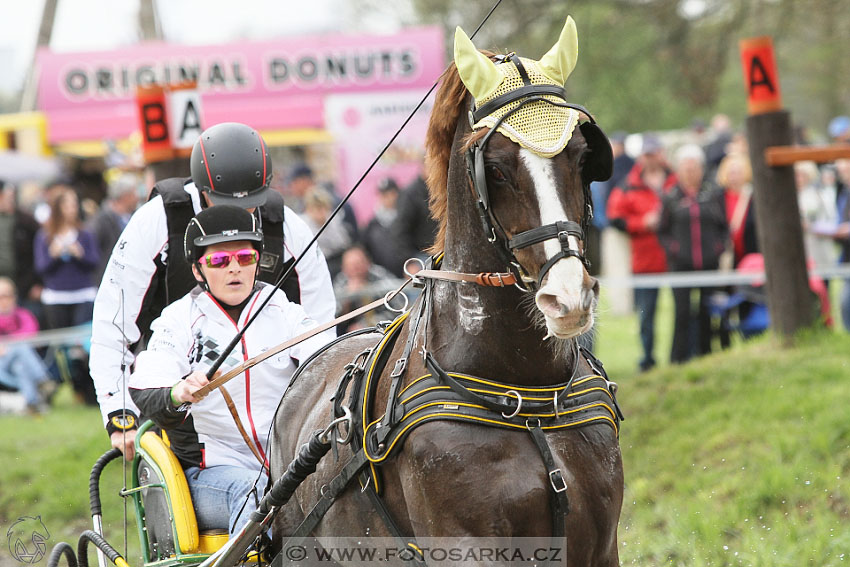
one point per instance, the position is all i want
(674, 204)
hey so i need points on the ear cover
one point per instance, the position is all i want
(600, 163)
(561, 59)
(479, 75)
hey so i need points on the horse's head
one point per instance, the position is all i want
(530, 159)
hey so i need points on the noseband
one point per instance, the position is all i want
(560, 230)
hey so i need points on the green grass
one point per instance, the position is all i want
(739, 458)
(46, 462)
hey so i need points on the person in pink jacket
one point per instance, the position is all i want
(20, 366)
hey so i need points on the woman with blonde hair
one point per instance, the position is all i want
(734, 176)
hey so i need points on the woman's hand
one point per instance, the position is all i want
(185, 390)
(76, 250)
(56, 248)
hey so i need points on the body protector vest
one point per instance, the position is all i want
(174, 278)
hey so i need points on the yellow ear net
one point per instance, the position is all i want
(482, 78)
(561, 59)
(478, 73)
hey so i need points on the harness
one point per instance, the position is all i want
(439, 395)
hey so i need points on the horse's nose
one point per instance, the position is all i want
(558, 302)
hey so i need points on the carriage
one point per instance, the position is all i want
(476, 413)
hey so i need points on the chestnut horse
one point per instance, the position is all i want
(532, 455)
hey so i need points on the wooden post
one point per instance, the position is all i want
(780, 235)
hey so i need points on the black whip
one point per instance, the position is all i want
(229, 348)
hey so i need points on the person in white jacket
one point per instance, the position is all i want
(230, 164)
(223, 246)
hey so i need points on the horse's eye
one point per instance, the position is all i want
(494, 173)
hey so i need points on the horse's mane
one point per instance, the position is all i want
(448, 108)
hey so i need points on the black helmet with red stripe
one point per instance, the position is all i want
(231, 162)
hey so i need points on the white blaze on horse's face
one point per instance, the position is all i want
(568, 294)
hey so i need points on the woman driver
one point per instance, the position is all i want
(223, 245)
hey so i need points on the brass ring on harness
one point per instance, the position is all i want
(518, 405)
(324, 436)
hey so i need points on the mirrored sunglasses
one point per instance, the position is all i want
(245, 257)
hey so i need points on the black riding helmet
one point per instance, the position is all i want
(231, 162)
(221, 223)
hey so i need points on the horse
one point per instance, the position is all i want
(514, 448)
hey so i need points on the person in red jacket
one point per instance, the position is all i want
(635, 208)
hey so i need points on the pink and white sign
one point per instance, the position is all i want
(273, 85)
(361, 125)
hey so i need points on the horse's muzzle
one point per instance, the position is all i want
(568, 299)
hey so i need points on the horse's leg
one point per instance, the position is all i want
(447, 466)
(590, 458)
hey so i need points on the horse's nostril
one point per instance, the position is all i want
(551, 306)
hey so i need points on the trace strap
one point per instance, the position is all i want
(486, 279)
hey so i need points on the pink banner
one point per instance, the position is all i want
(362, 125)
(270, 85)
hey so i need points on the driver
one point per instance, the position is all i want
(230, 164)
(223, 245)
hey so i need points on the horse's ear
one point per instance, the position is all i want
(478, 73)
(560, 61)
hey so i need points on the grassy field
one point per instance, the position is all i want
(739, 458)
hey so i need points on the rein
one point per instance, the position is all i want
(253, 361)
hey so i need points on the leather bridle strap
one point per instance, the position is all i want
(562, 230)
(522, 92)
(486, 279)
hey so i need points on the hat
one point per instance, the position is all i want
(387, 184)
(221, 223)
(301, 170)
(651, 144)
(839, 126)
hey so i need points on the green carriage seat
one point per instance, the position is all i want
(168, 528)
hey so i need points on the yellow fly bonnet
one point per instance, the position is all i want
(538, 126)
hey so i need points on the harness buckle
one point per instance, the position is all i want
(399, 368)
(556, 479)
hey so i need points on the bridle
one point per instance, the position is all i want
(560, 230)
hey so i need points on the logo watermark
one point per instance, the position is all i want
(27, 539)
(434, 552)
